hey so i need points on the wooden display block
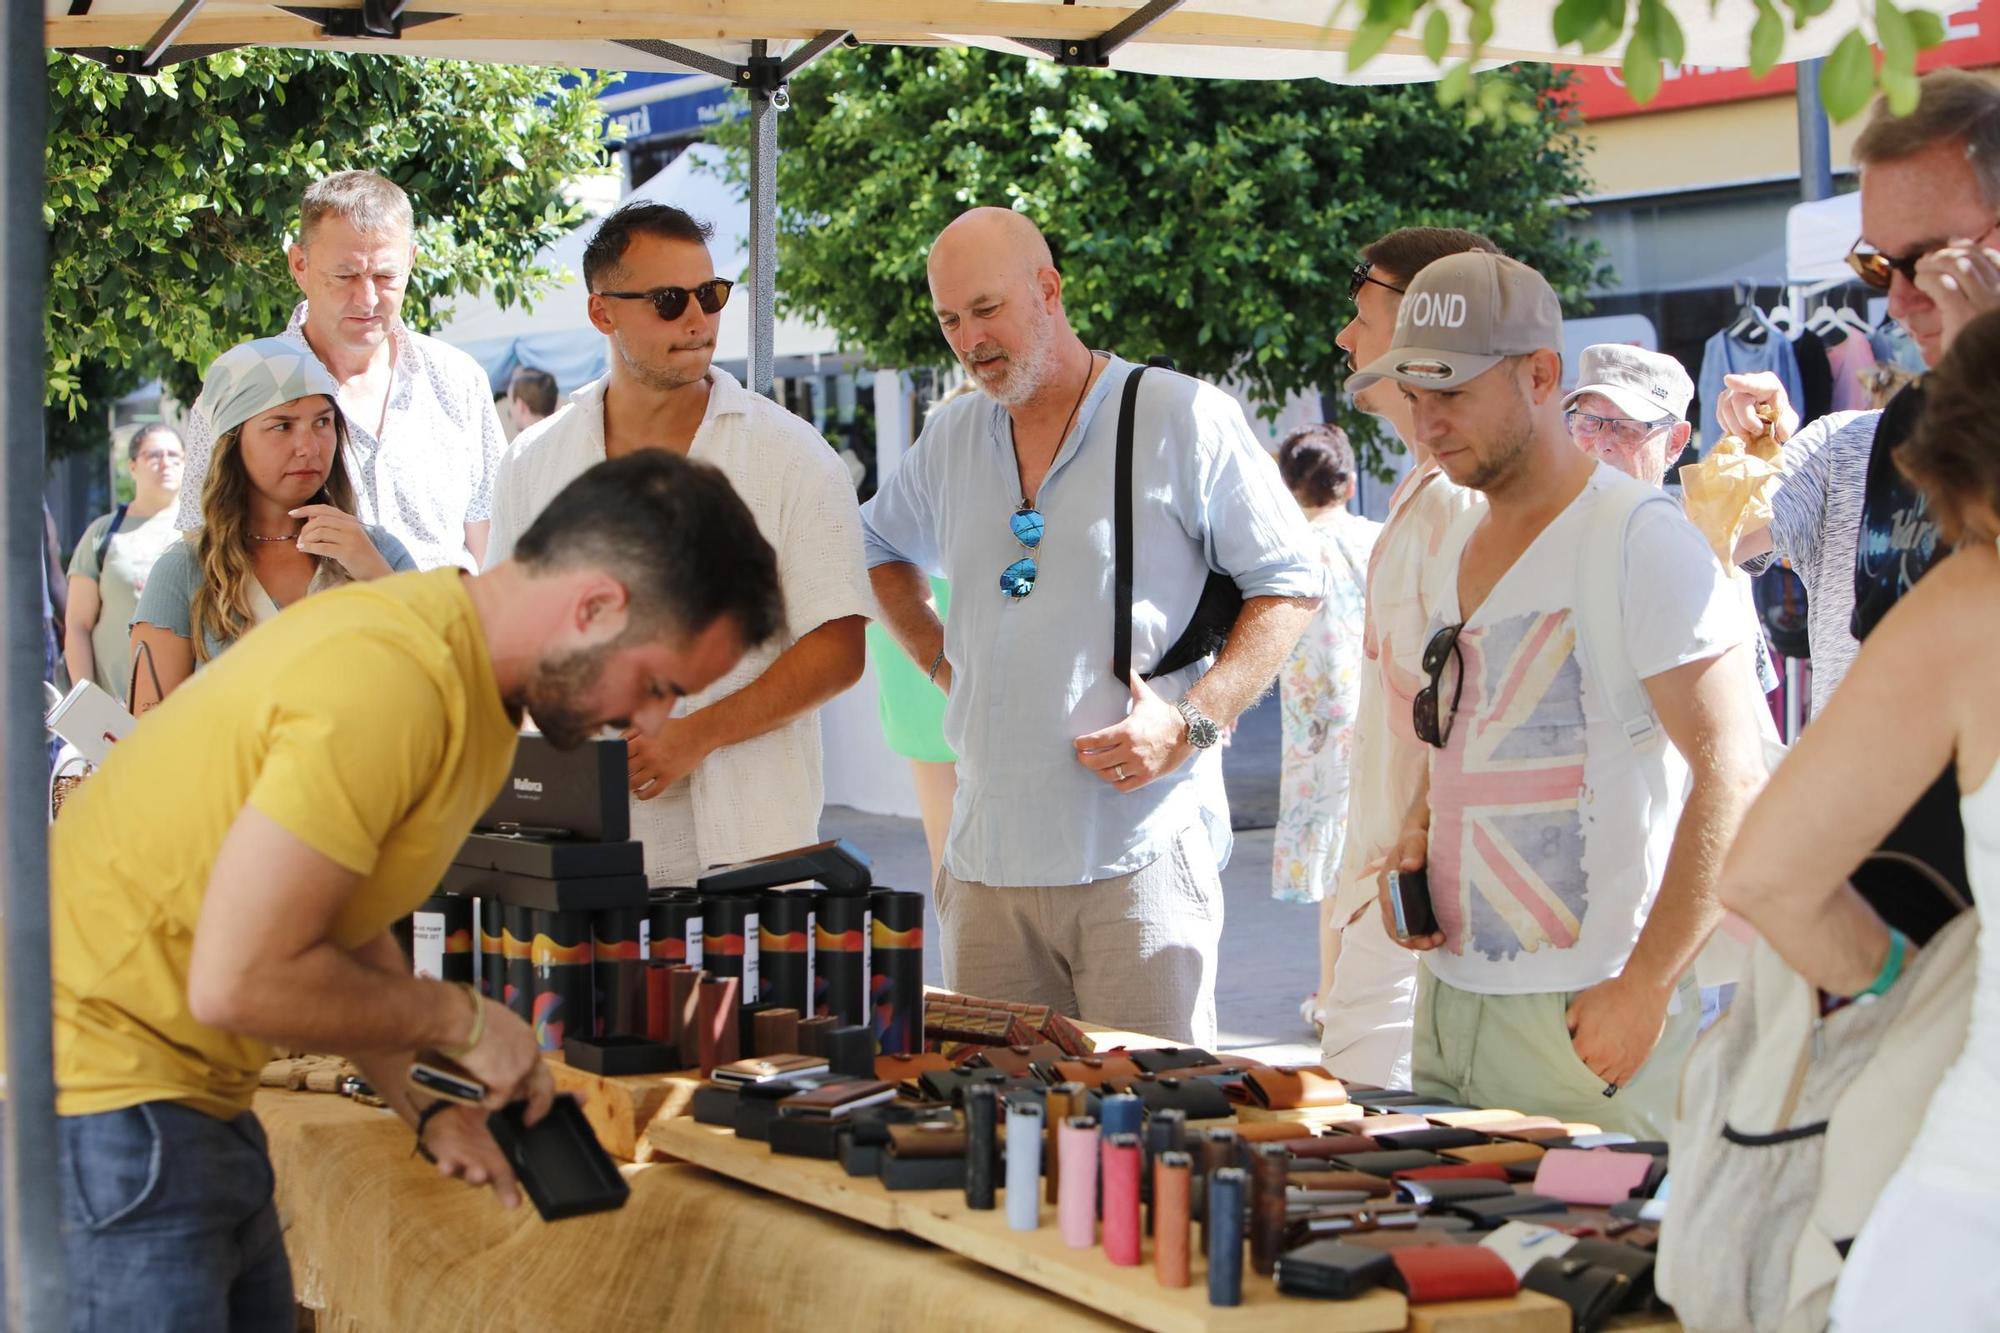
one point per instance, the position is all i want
(1528, 1312)
(1038, 1257)
(621, 1108)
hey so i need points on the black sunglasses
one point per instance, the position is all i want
(670, 302)
(1358, 277)
(1431, 728)
(1879, 270)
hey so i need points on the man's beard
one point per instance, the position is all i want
(661, 379)
(553, 695)
(1026, 371)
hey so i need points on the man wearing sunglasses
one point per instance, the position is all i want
(736, 772)
(1593, 747)
(1365, 1017)
(1082, 865)
(1858, 534)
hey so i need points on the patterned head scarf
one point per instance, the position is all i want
(259, 375)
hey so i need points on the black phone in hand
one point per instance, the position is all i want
(1410, 901)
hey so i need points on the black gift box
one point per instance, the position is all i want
(559, 1161)
(616, 1057)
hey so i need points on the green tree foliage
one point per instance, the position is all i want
(1214, 222)
(170, 200)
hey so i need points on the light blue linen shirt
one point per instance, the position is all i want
(1030, 676)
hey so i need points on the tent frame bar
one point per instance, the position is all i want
(1095, 53)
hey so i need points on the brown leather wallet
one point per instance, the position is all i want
(836, 1098)
(908, 1068)
(1373, 1186)
(1097, 1071)
(1017, 1059)
(1498, 1154)
(927, 1140)
(1272, 1131)
(1294, 1089)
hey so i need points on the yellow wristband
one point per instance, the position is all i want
(478, 1024)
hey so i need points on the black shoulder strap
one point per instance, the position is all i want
(1121, 534)
(110, 531)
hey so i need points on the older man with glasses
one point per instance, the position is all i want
(1859, 535)
(1081, 868)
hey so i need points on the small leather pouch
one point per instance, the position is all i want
(1307, 1087)
(1432, 1140)
(1376, 1187)
(1335, 1145)
(1430, 1273)
(1388, 1163)
(1457, 1171)
(1193, 1098)
(1097, 1072)
(1013, 1060)
(1272, 1131)
(1499, 1154)
(1332, 1270)
(1592, 1177)
(1592, 1293)
(1438, 1193)
(1170, 1059)
(1489, 1213)
(932, 1139)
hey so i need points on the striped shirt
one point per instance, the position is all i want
(1815, 523)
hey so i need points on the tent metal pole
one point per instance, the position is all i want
(1815, 140)
(765, 104)
(37, 1295)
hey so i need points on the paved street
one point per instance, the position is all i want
(1268, 959)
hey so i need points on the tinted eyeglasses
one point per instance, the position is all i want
(1432, 727)
(1018, 579)
(1627, 432)
(1360, 275)
(671, 302)
(1879, 270)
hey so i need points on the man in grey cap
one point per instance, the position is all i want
(1583, 640)
(1629, 408)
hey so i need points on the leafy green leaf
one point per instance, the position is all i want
(1896, 38)
(1641, 67)
(1902, 89)
(1455, 84)
(1574, 18)
(1767, 39)
(1848, 77)
(1437, 35)
(1926, 27)
(1369, 39)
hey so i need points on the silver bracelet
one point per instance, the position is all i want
(936, 662)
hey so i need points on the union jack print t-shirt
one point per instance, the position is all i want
(1549, 830)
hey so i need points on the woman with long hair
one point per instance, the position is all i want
(115, 557)
(277, 516)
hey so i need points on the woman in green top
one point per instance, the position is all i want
(913, 726)
(108, 571)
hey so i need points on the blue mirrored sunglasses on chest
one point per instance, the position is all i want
(1018, 579)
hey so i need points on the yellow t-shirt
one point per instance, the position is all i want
(365, 720)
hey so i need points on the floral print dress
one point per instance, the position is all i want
(1318, 693)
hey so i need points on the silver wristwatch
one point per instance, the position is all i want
(1201, 729)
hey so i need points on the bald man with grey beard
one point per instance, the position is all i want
(1082, 868)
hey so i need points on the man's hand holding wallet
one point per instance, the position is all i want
(1405, 893)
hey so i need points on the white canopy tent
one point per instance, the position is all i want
(755, 44)
(1818, 236)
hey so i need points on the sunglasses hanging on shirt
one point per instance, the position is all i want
(1018, 579)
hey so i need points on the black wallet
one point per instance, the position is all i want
(1433, 1140)
(1168, 1060)
(1388, 1163)
(1329, 1269)
(1436, 1193)
(1636, 1264)
(558, 1160)
(1592, 1293)
(1489, 1213)
(1195, 1098)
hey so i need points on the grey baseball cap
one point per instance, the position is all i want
(259, 375)
(1462, 316)
(1645, 385)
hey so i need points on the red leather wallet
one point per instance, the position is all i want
(1462, 1171)
(1294, 1089)
(1430, 1273)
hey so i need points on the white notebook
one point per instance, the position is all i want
(91, 720)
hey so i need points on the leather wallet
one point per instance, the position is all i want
(1439, 1193)
(1592, 1293)
(1272, 1131)
(1376, 1187)
(1428, 1273)
(1498, 1154)
(836, 1100)
(1636, 1264)
(1375, 1126)
(1019, 1059)
(1169, 1059)
(1194, 1098)
(1329, 1269)
(1592, 1177)
(928, 1139)
(1456, 1171)
(1388, 1163)
(870, 1125)
(764, 1068)
(1335, 1145)
(1403, 1238)
(1466, 1118)
(909, 1068)
(1097, 1071)
(1600, 1139)
(948, 1085)
(1431, 1140)
(1294, 1089)
(1489, 1213)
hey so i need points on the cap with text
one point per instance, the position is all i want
(1462, 316)
(1646, 386)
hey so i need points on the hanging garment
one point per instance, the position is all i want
(1727, 355)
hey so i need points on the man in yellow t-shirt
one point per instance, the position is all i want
(226, 882)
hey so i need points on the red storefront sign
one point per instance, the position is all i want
(1972, 40)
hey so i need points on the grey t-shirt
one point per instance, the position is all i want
(1815, 524)
(168, 600)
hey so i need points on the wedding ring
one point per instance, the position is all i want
(1120, 770)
